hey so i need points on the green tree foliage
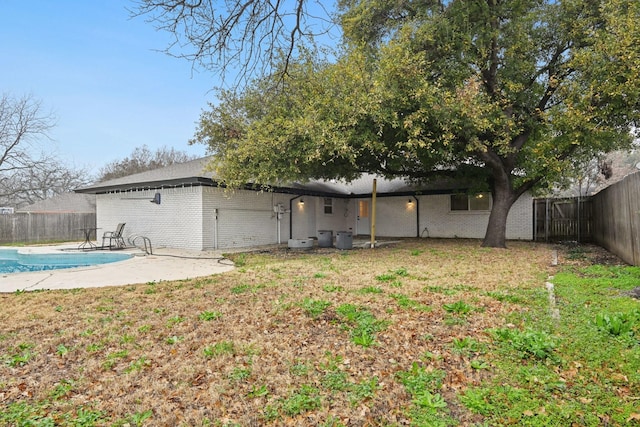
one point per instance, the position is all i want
(505, 92)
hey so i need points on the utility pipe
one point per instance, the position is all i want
(373, 213)
(215, 228)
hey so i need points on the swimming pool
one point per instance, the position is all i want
(19, 260)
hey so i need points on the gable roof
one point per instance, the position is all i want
(193, 173)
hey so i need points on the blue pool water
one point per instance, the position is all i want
(15, 261)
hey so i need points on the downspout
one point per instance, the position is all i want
(417, 216)
(215, 228)
(291, 215)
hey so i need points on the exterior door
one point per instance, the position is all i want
(363, 225)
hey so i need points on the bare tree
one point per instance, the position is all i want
(43, 181)
(23, 125)
(245, 37)
(142, 159)
(28, 172)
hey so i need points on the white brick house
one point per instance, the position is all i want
(194, 213)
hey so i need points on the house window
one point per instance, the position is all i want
(476, 202)
(328, 206)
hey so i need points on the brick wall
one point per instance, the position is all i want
(437, 219)
(200, 217)
(175, 222)
(244, 218)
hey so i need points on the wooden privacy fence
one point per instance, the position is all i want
(563, 219)
(616, 224)
(44, 227)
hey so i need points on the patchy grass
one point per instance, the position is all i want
(422, 333)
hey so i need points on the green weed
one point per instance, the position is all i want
(406, 302)
(139, 418)
(429, 407)
(112, 358)
(616, 324)
(62, 350)
(299, 369)
(387, 277)
(332, 288)
(466, 346)
(94, 347)
(240, 289)
(363, 390)
(371, 290)
(173, 340)
(458, 307)
(209, 315)
(361, 324)
(335, 381)
(440, 290)
(219, 349)
(528, 343)
(239, 374)
(22, 355)
(175, 320)
(138, 365)
(256, 392)
(240, 260)
(505, 297)
(306, 398)
(62, 389)
(314, 308)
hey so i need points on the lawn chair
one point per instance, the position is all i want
(116, 241)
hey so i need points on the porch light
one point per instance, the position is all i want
(410, 202)
(301, 202)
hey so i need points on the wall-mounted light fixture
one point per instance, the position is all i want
(156, 199)
(410, 202)
(301, 202)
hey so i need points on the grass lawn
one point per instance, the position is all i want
(423, 333)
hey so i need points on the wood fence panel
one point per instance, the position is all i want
(44, 227)
(633, 196)
(617, 214)
(563, 219)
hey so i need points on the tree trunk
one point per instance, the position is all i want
(503, 199)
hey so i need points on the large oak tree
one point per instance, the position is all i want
(506, 92)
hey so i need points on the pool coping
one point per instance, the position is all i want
(164, 264)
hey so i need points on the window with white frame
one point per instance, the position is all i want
(471, 202)
(328, 206)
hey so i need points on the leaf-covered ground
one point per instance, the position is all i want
(392, 336)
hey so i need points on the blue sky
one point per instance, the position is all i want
(99, 72)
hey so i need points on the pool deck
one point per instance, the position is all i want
(164, 264)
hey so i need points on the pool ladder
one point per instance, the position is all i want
(145, 240)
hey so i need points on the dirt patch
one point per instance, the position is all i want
(633, 293)
(573, 253)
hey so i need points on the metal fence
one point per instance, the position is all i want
(44, 227)
(616, 225)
